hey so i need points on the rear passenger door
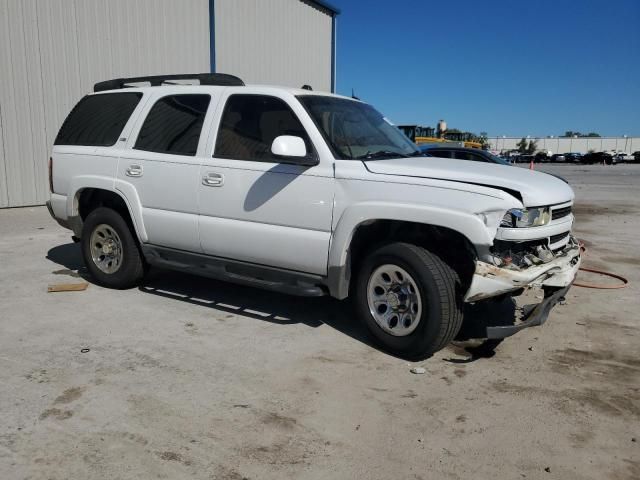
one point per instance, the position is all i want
(254, 207)
(162, 164)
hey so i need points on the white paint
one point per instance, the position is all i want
(292, 216)
(288, 146)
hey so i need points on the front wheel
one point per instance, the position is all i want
(110, 251)
(409, 299)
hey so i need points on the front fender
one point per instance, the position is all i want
(469, 225)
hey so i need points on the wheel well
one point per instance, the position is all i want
(451, 246)
(91, 198)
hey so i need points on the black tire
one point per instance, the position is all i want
(439, 288)
(131, 265)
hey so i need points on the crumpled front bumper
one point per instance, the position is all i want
(533, 315)
(491, 281)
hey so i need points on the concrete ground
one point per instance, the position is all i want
(190, 378)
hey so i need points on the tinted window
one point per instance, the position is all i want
(98, 120)
(439, 153)
(249, 125)
(463, 155)
(173, 125)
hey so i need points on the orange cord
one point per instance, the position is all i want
(624, 283)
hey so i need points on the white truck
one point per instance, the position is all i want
(305, 193)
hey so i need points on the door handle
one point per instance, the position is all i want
(133, 171)
(213, 180)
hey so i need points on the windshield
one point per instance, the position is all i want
(355, 130)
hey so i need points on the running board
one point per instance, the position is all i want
(243, 273)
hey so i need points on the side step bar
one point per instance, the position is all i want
(259, 276)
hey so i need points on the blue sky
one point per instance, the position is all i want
(504, 67)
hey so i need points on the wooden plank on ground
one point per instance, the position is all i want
(67, 287)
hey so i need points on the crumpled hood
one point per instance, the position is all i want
(536, 188)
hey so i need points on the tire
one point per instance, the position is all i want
(110, 251)
(439, 316)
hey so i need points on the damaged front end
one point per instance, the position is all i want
(512, 266)
(516, 267)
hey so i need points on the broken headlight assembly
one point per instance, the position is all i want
(526, 217)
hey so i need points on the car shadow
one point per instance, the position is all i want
(281, 309)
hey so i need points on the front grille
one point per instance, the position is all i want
(560, 212)
(556, 238)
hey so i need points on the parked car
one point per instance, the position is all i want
(621, 157)
(543, 156)
(474, 154)
(305, 193)
(636, 156)
(598, 157)
(557, 157)
(525, 158)
(572, 157)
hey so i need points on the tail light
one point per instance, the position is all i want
(51, 174)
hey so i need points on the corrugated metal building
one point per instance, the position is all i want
(53, 51)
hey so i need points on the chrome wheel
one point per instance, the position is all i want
(106, 248)
(394, 300)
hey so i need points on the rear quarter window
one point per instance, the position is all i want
(98, 120)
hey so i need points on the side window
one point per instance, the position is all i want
(440, 153)
(462, 155)
(173, 125)
(249, 125)
(98, 120)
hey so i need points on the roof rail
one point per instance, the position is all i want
(222, 79)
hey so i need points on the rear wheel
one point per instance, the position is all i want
(408, 298)
(110, 250)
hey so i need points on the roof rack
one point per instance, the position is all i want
(221, 79)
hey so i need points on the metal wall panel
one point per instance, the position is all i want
(4, 198)
(564, 145)
(281, 42)
(53, 51)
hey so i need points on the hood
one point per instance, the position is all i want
(535, 188)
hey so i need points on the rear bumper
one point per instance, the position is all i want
(62, 222)
(57, 206)
(490, 281)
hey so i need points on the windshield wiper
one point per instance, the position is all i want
(381, 154)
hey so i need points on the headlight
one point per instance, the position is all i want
(526, 217)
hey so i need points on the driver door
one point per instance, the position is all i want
(254, 207)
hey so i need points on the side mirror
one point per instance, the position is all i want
(288, 146)
(290, 149)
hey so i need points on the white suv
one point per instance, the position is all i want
(306, 193)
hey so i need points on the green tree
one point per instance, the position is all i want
(533, 146)
(593, 134)
(522, 145)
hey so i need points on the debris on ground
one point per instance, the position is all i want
(418, 370)
(547, 469)
(85, 350)
(67, 287)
